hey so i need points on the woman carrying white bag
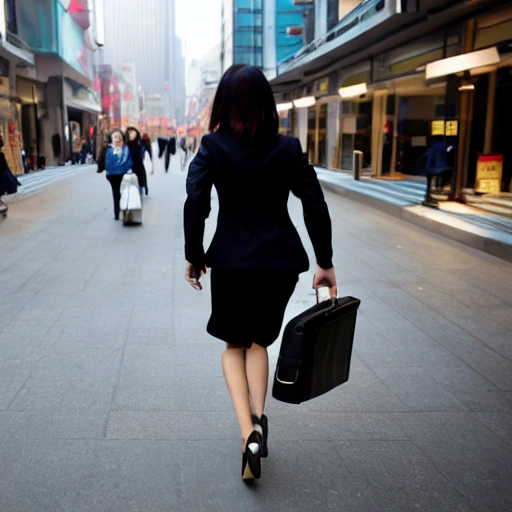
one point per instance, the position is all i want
(125, 185)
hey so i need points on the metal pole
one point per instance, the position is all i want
(489, 122)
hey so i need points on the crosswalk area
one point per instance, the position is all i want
(39, 180)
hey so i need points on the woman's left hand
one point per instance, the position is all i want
(193, 275)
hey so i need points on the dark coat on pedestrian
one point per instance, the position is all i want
(137, 151)
(253, 182)
(8, 182)
(147, 145)
(437, 159)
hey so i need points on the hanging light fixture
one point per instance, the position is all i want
(353, 91)
(304, 102)
(284, 106)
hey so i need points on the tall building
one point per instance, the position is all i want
(144, 33)
(261, 32)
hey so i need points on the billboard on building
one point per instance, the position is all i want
(75, 44)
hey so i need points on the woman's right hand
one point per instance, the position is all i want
(325, 277)
(193, 275)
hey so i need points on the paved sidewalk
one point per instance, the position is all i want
(36, 181)
(466, 224)
(112, 397)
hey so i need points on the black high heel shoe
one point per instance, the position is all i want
(251, 458)
(261, 424)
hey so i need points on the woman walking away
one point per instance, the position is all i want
(117, 162)
(137, 152)
(256, 254)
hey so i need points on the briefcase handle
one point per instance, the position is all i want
(287, 382)
(323, 294)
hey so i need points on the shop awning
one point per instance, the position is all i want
(86, 106)
(23, 56)
(460, 63)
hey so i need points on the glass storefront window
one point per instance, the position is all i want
(36, 24)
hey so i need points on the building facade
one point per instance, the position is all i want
(14, 55)
(144, 33)
(391, 78)
(59, 103)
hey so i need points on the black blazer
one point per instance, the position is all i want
(253, 182)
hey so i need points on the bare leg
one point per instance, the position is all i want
(233, 366)
(256, 369)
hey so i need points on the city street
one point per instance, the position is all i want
(112, 397)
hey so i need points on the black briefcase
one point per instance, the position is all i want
(315, 351)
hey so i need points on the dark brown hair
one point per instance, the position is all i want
(244, 104)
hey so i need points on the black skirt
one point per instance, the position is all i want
(248, 305)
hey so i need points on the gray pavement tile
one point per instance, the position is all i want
(490, 364)
(475, 321)
(293, 423)
(87, 476)
(364, 392)
(10, 306)
(148, 336)
(79, 379)
(10, 386)
(468, 455)
(139, 395)
(454, 338)
(153, 317)
(481, 400)
(399, 477)
(394, 349)
(44, 315)
(84, 337)
(173, 425)
(292, 480)
(61, 394)
(498, 423)
(23, 336)
(499, 276)
(195, 398)
(76, 423)
(418, 390)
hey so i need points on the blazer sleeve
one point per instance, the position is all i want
(306, 187)
(197, 205)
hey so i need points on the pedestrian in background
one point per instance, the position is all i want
(118, 161)
(147, 144)
(137, 152)
(84, 150)
(256, 254)
(76, 147)
(8, 182)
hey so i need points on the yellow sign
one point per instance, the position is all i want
(437, 128)
(322, 86)
(448, 128)
(452, 128)
(489, 170)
